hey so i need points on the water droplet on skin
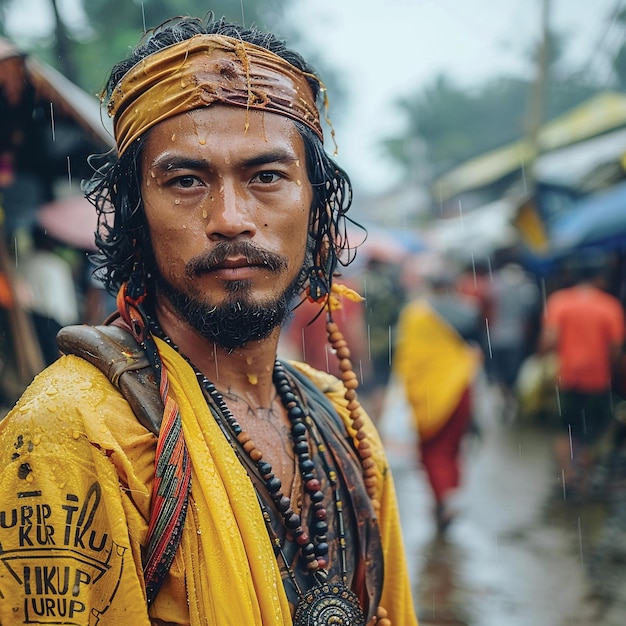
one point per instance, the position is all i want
(152, 174)
(202, 142)
(253, 379)
(299, 183)
(51, 391)
(75, 434)
(177, 201)
(204, 213)
(297, 162)
(227, 160)
(173, 136)
(29, 478)
(36, 440)
(211, 198)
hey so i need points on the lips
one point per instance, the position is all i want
(235, 263)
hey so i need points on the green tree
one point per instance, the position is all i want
(456, 124)
(619, 60)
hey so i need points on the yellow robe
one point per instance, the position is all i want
(434, 364)
(76, 477)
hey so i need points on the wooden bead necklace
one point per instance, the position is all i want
(351, 383)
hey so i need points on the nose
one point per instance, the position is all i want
(228, 212)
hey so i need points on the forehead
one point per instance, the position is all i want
(228, 130)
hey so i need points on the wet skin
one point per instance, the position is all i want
(207, 181)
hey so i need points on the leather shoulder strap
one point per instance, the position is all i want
(116, 353)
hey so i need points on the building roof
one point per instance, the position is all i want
(598, 115)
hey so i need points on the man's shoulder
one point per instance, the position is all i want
(68, 378)
(334, 391)
(65, 400)
(568, 298)
(325, 382)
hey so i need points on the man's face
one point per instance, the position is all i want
(228, 213)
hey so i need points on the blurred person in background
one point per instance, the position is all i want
(384, 293)
(475, 281)
(436, 360)
(584, 325)
(515, 303)
(49, 291)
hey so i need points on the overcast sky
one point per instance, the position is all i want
(387, 48)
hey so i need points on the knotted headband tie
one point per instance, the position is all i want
(204, 70)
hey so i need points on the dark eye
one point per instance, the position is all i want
(186, 181)
(267, 177)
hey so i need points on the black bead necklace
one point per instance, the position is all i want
(326, 602)
(314, 548)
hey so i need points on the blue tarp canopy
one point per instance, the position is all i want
(598, 220)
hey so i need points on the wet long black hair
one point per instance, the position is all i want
(123, 237)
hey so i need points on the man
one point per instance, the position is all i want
(584, 325)
(266, 498)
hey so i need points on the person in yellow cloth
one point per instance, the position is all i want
(436, 359)
(169, 469)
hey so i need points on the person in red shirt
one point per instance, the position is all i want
(584, 324)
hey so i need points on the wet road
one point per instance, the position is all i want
(519, 553)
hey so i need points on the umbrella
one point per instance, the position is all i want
(71, 220)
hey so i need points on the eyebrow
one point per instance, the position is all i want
(168, 162)
(272, 156)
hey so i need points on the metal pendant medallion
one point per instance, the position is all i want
(329, 603)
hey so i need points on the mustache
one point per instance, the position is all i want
(226, 249)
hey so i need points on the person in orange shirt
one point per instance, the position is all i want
(585, 326)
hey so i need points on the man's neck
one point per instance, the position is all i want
(245, 371)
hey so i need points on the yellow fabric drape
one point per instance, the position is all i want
(234, 575)
(434, 364)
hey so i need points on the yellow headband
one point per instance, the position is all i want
(200, 71)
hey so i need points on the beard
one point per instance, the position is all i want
(240, 318)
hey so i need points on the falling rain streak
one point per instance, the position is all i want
(52, 122)
(580, 540)
(488, 338)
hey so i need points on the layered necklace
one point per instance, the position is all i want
(326, 601)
